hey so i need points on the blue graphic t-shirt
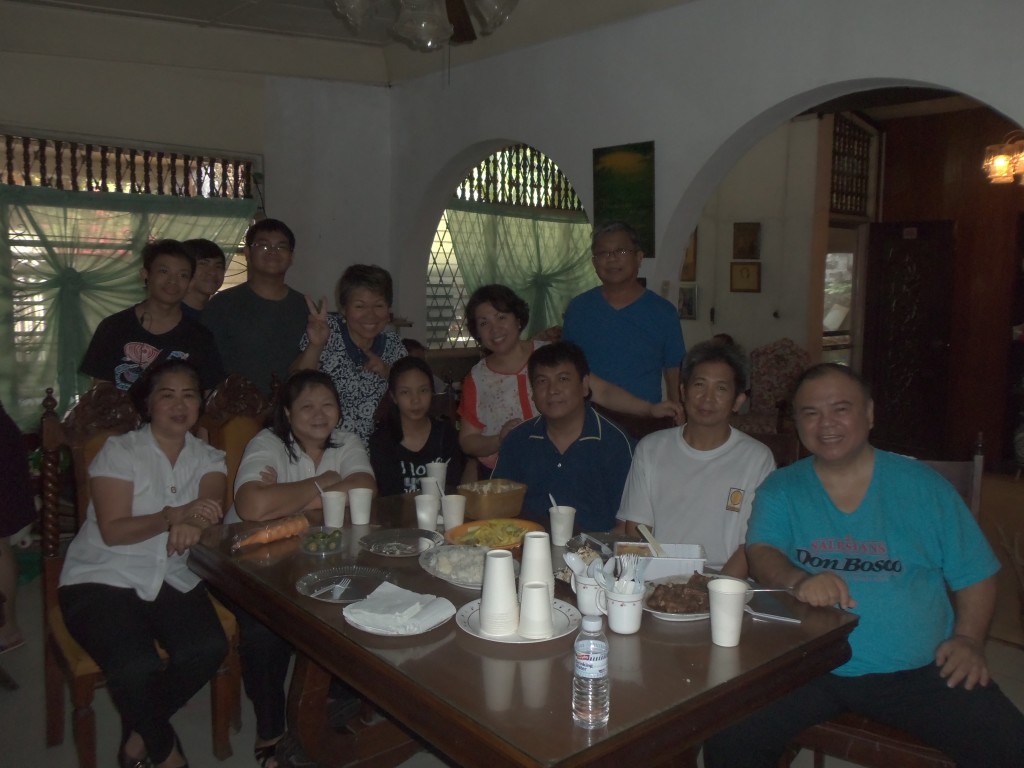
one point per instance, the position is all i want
(910, 538)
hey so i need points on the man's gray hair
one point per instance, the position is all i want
(611, 227)
(716, 352)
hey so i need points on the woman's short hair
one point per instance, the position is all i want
(268, 226)
(611, 227)
(716, 352)
(140, 391)
(167, 247)
(369, 276)
(204, 249)
(294, 386)
(502, 298)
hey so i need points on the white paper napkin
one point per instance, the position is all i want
(398, 611)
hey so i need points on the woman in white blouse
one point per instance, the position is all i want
(279, 475)
(125, 582)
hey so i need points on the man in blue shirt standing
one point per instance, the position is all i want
(885, 537)
(570, 451)
(630, 335)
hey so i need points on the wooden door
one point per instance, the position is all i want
(907, 330)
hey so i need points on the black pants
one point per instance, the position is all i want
(117, 628)
(265, 657)
(980, 727)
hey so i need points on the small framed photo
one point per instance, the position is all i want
(745, 276)
(746, 240)
(687, 303)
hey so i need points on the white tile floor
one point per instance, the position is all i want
(22, 722)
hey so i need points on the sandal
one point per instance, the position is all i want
(264, 754)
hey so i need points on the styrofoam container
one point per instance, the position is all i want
(682, 560)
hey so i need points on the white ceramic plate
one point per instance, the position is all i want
(429, 558)
(566, 619)
(400, 542)
(680, 616)
(362, 581)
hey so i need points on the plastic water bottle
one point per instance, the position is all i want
(590, 685)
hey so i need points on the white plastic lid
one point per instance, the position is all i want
(592, 623)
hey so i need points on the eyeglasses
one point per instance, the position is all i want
(620, 253)
(263, 247)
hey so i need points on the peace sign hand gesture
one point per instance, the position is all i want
(316, 326)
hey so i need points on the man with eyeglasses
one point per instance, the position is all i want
(631, 336)
(258, 325)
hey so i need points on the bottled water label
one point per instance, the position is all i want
(593, 663)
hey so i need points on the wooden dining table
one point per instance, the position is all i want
(488, 703)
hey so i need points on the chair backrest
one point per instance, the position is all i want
(235, 412)
(965, 476)
(637, 426)
(785, 446)
(101, 412)
(774, 369)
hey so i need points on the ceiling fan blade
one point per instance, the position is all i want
(458, 15)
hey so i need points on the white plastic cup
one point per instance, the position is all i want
(499, 609)
(586, 590)
(535, 621)
(427, 507)
(453, 510)
(433, 483)
(624, 612)
(536, 562)
(359, 501)
(728, 597)
(561, 524)
(334, 508)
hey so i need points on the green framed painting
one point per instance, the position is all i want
(624, 188)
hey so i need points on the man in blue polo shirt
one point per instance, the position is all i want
(570, 451)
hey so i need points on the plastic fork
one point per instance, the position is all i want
(335, 589)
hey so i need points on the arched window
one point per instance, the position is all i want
(515, 219)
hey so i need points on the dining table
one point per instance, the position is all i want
(491, 702)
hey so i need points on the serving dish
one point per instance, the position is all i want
(400, 542)
(479, 532)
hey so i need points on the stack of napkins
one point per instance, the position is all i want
(395, 611)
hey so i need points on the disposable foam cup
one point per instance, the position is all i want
(535, 621)
(453, 509)
(728, 597)
(427, 507)
(561, 524)
(433, 483)
(624, 611)
(499, 609)
(334, 508)
(586, 590)
(536, 562)
(359, 500)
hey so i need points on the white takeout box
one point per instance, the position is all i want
(682, 560)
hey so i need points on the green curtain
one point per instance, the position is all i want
(69, 259)
(543, 256)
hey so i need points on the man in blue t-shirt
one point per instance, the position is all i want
(882, 536)
(570, 451)
(630, 335)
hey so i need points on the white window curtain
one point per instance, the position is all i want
(544, 257)
(69, 259)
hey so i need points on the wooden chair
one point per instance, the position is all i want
(859, 739)
(6, 681)
(774, 370)
(785, 446)
(235, 412)
(102, 412)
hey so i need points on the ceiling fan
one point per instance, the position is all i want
(427, 25)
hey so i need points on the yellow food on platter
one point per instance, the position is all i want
(495, 534)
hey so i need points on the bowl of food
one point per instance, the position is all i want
(500, 533)
(494, 498)
(320, 541)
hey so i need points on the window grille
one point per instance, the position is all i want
(851, 167)
(516, 176)
(85, 167)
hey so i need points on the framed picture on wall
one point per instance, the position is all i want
(688, 272)
(624, 188)
(746, 240)
(687, 303)
(745, 276)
